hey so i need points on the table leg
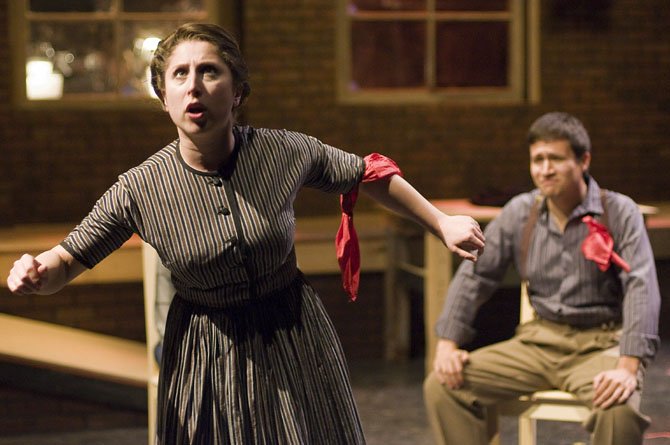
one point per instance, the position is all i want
(438, 264)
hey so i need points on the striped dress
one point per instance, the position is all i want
(250, 356)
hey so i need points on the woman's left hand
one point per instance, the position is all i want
(463, 236)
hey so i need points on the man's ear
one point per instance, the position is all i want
(585, 161)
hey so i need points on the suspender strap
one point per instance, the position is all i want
(603, 218)
(527, 235)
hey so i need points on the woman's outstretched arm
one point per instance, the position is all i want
(461, 234)
(44, 274)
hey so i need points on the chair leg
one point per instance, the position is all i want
(527, 430)
(493, 425)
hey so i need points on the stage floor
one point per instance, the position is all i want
(390, 402)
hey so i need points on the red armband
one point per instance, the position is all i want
(377, 167)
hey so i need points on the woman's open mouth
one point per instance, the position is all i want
(196, 111)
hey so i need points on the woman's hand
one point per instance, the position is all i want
(27, 276)
(44, 274)
(463, 236)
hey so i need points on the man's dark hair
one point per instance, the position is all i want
(556, 126)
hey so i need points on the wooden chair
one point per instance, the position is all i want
(555, 405)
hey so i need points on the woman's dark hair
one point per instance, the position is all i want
(226, 44)
(560, 126)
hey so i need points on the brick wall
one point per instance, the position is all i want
(607, 62)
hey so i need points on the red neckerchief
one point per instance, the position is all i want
(377, 167)
(598, 246)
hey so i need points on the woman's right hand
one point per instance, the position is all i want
(27, 276)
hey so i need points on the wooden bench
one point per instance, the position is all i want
(73, 351)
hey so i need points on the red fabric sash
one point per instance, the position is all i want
(377, 167)
(598, 246)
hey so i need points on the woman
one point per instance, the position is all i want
(250, 356)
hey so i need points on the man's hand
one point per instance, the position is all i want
(615, 386)
(449, 362)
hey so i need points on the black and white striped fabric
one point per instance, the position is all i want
(250, 356)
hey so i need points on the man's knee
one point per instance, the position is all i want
(454, 416)
(434, 392)
(439, 397)
(619, 424)
(431, 383)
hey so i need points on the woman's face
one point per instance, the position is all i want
(199, 90)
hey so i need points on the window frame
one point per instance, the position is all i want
(523, 69)
(20, 18)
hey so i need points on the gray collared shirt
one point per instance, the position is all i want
(564, 286)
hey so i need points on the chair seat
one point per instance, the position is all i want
(554, 395)
(558, 406)
(552, 405)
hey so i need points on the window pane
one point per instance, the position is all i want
(163, 5)
(139, 42)
(387, 5)
(69, 5)
(472, 54)
(471, 5)
(82, 54)
(388, 54)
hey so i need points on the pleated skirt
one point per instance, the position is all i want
(271, 372)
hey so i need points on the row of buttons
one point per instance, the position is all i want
(222, 210)
(215, 181)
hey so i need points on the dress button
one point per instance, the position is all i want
(232, 240)
(216, 182)
(223, 211)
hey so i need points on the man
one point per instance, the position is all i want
(596, 324)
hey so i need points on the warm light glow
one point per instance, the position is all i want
(150, 89)
(41, 81)
(146, 47)
(150, 44)
(39, 67)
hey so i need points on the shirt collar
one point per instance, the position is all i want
(592, 203)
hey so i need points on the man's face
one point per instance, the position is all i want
(555, 169)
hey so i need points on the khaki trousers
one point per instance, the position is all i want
(541, 356)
